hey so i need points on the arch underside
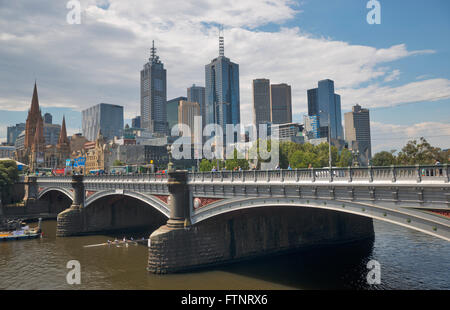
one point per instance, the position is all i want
(62, 190)
(403, 216)
(147, 199)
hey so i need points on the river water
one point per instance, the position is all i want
(408, 260)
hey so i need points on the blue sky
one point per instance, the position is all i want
(397, 69)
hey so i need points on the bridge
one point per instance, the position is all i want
(225, 211)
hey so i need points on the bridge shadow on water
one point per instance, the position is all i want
(327, 267)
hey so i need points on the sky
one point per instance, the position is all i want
(399, 69)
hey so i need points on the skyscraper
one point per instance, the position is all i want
(107, 118)
(357, 132)
(197, 94)
(136, 122)
(186, 114)
(154, 95)
(280, 103)
(261, 102)
(48, 118)
(13, 132)
(222, 91)
(172, 111)
(322, 101)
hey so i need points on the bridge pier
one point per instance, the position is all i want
(251, 233)
(72, 220)
(31, 190)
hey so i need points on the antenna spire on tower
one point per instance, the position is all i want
(221, 42)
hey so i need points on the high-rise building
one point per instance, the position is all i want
(222, 91)
(357, 132)
(136, 122)
(154, 95)
(104, 117)
(48, 118)
(197, 94)
(280, 104)
(51, 133)
(311, 124)
(322, 101)
(172, 111)
(186, 115)
(261, 102)
(12, 132)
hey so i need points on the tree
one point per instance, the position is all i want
(9, 174)
(118, 163)
(345, 158)
(236, 162)
(418, 152)
(383, 159)
(205, 165)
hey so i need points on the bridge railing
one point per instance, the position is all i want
(416, 173)
(350, 174)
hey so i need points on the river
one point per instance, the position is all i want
(408, 260)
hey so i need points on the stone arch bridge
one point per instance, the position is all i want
(223, 213)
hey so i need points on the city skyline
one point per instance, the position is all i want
(377, 85)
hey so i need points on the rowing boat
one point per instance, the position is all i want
(117, 243)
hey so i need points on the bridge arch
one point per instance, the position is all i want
(147, 199)
(62, 190)
(410, 218)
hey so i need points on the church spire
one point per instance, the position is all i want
(35, 101)
(63, 133)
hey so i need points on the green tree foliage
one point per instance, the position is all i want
(9, 174)
(418, 152)
(118, 163)
(205, 165)
(236, 162)
(414, 152)
(383, 159)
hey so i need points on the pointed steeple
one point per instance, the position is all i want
(35, 101)
(63, 133)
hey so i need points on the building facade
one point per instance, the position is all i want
(104, 117)
(357, 132)
(280, 104)
(136, 122)
(154, 95)
(172, 112)
(323, 101)
(187, 111)
(197, 94)
(222, 91)
(12, 132)
(261, 102)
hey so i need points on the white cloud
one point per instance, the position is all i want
(394, 75)
(386, 137)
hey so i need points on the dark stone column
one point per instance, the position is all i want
(178, 200)
(72, 221)
(31, 189)
(78, 191)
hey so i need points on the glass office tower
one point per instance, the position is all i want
(222, 92)
(154, 95)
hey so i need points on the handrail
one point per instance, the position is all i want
(393, 174)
